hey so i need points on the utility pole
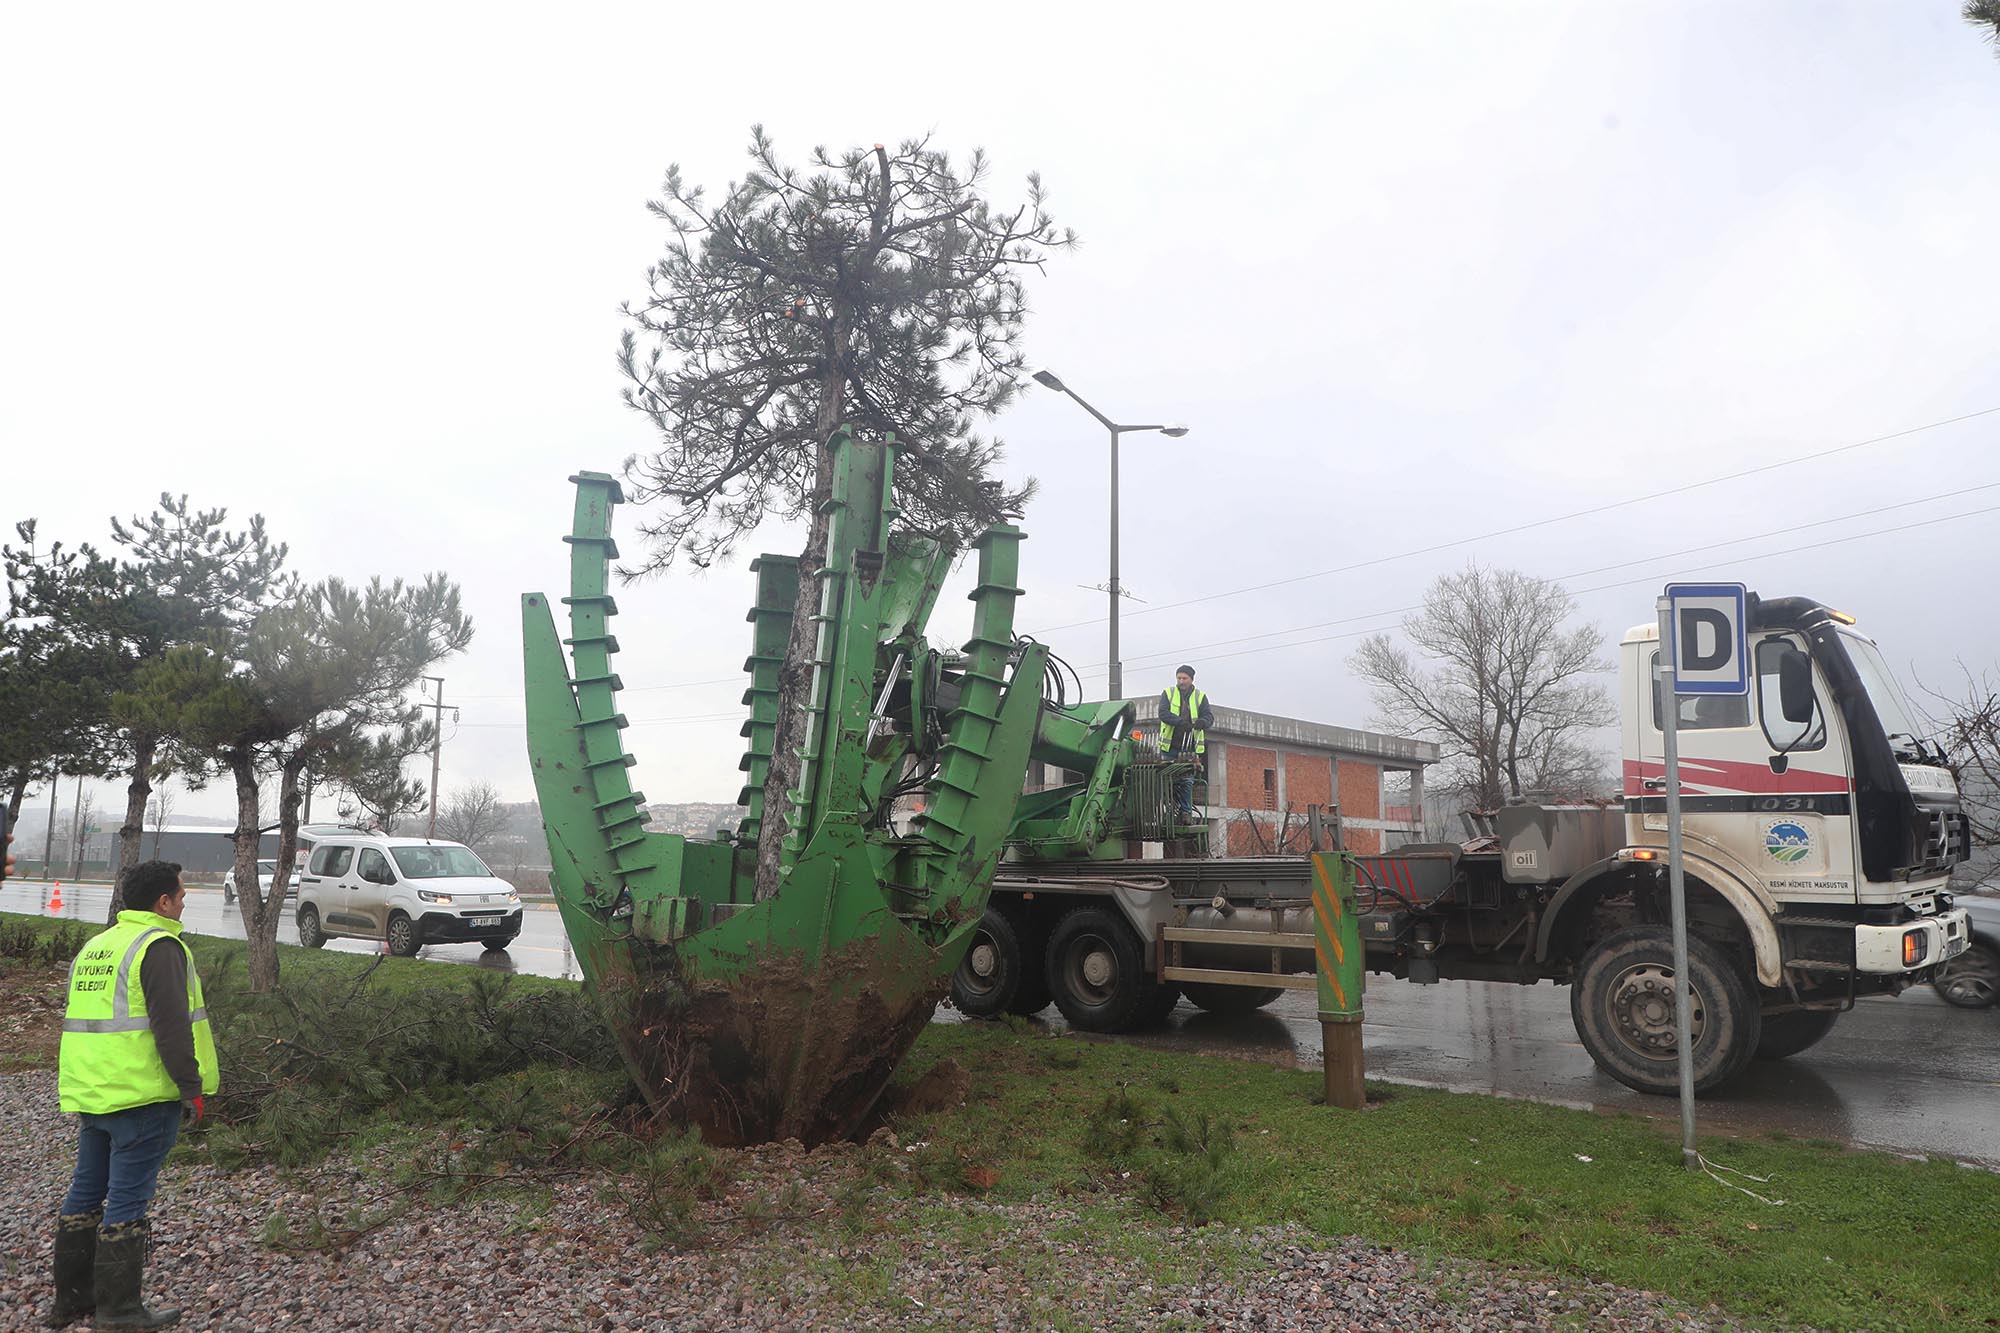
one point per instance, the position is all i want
(49, 837)
(437, 743)
(76, 868)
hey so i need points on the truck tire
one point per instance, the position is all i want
(1097, 971)
(1622, 1003)
(997, 975)
(1229, 999)
(1033, 994)
(1789, 1033)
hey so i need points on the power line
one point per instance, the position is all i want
(1584, 573)
(1538, 523)
(637, 689)
(1158, 658)
(635, 722)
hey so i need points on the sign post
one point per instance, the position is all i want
(1704, 650)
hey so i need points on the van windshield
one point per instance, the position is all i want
(439, 863)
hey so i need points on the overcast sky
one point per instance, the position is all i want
(1412, 274)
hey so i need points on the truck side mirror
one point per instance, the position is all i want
(1795, 687)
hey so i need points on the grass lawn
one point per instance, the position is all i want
(1126, 1136)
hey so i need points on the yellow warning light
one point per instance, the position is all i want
(1842, 617)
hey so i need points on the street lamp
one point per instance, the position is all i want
(1048, 380)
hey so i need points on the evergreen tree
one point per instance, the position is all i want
(875, 289)
(321, 682)
(1985, 14)
(55, 662)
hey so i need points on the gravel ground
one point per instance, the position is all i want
(581, 1265)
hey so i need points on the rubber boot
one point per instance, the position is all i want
(75, 1264)
(121, 1272)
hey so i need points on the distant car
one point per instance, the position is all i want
(1972, 980)
(266, 872)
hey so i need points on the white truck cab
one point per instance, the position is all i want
(1830, 826)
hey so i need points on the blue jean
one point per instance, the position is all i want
(1184, 796)
(118, 1160)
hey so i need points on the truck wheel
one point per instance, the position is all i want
(1165, 996)
(1032, 995)
(1789, 1033)
(1097, 969)
(1623, 1006)
(996, 974)
(1229, 999)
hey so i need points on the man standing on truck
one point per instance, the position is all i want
(1184, 722)
(137, 1056)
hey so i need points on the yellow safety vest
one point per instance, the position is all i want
(1194, 702)
(108, 1060)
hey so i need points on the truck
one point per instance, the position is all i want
(766, 988)
(1821, 830)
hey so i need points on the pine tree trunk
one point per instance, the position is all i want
(795, 674)
(290, 798)
(260, 919)
(133, 831)
(17, 796)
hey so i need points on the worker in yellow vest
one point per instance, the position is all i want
(137, 1056)
(1185, 718)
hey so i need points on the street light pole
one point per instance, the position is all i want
(1117, 662)
(1049, 380)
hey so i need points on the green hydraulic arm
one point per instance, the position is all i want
(785, 1017)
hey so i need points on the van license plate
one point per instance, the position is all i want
(486, 921)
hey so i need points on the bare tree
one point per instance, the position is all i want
(1499, 682)
(157, 812)
(471, 814)
(1969, 729)
(85, 825)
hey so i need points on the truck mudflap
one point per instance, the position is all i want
(1913, 946)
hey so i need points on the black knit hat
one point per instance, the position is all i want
(1184, 671)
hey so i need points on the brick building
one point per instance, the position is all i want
(1265, 772)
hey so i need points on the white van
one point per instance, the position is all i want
(408, 891)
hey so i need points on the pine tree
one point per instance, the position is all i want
(321, 682)
(873, 289)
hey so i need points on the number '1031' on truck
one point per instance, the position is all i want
(1820, 833)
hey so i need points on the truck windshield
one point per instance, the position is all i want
(1898, 719)
(439, 863)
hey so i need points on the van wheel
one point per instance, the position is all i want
(310, 935)
(1623, 1006)
(495, 946)
(1789, 1033)
(998, 975)
(1097, 970)
(403, 941)
(1229, 999)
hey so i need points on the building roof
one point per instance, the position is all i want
(1268, 728)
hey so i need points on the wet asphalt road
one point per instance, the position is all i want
(1910, 1074)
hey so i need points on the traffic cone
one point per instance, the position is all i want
(55, 899)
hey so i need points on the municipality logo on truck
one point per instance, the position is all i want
(1787, 841)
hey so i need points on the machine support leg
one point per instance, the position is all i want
(1340, 1039)
(1337, 942)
